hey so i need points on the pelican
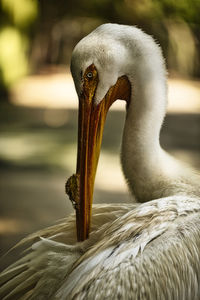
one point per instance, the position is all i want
(126, 251)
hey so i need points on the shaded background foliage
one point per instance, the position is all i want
(35, 33)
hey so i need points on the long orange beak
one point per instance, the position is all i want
(90, 131)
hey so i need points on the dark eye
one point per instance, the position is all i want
(89, 75)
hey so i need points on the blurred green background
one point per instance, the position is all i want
(38, 116)
(35, 33)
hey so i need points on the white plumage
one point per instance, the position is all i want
(148, 251)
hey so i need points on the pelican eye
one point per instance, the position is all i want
(89, 75)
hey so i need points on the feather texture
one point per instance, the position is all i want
(146, 243)
(49, 260)
(131, 263)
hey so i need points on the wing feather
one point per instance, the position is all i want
(139, 256)
(53, 252)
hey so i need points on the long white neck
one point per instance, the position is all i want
(150, 172)
(118, 50)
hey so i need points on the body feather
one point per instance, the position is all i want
(150, 247)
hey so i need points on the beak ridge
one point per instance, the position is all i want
(91, 122)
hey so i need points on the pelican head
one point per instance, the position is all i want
(102, 67)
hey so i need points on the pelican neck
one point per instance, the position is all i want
(141, 150)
